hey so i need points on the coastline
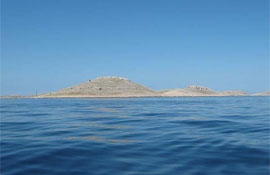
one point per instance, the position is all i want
(123, 97)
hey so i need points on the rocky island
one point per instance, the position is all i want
(195, 90)
(105, 87)
(111, 86)
(266, 93)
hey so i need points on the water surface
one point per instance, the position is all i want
(130, 136)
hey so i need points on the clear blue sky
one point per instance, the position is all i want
(47, 45)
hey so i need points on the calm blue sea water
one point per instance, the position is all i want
(135, 136)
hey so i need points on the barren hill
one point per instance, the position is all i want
(266, 93)
(199, 91)
(105, 87)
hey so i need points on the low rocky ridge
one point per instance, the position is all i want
(105, 87)
(200, 91)
(266, 93)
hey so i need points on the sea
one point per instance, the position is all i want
(135, 136)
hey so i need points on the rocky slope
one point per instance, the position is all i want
(105, 87)
(233, 93)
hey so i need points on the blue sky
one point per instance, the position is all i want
(47, 45)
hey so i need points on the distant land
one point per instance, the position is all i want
(111, 86)
(200, 91)
(105, 87)
(266, 93)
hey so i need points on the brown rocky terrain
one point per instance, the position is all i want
(123, 87)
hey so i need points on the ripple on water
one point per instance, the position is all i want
(186, 136)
